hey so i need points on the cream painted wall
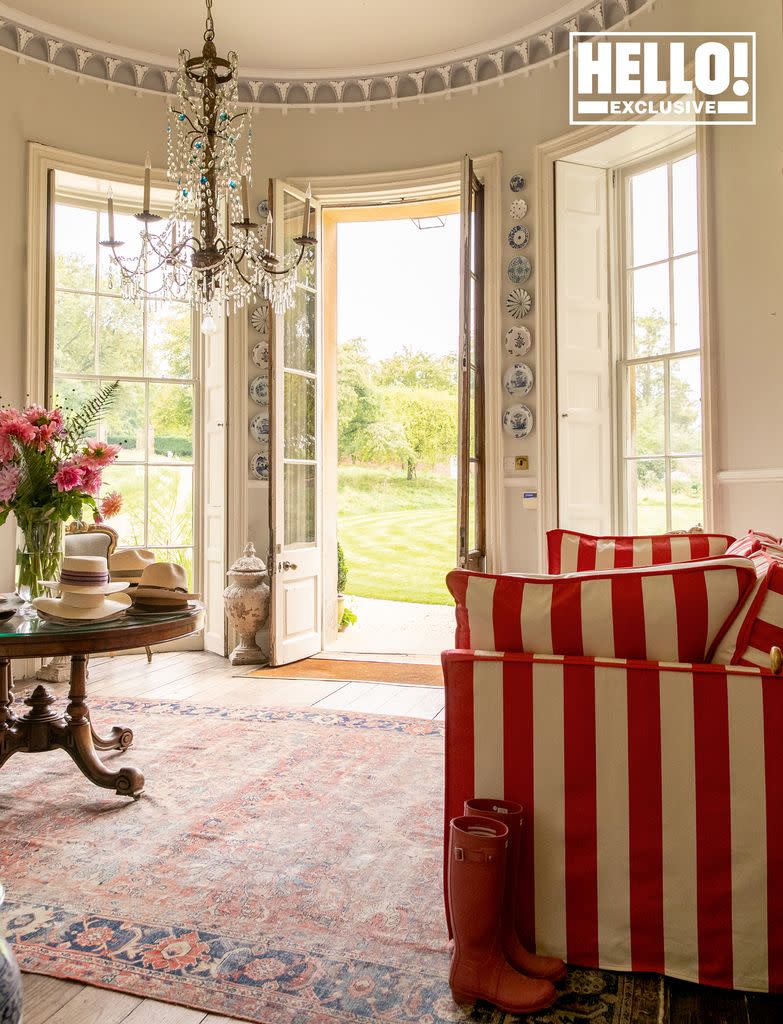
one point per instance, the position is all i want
(747, 208)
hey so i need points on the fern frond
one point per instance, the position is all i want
(89, 414)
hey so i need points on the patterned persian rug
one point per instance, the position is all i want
(283, 867)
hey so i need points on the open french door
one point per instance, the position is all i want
(471, 473)
(296, 467)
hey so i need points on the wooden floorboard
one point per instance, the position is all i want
(207, 679)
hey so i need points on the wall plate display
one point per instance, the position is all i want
(263, 209)
(259, 429)
(519, 303)
(518, 379)
(518, 421)
(518, 236)
(519, 209)
(518, 340)
(259, 466)
(517, 183)
(260, 354)
(519, 269)
(259, 390)
(259, 319)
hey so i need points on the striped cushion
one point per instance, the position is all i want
(664, 613)
(759, 624)
(581, 552)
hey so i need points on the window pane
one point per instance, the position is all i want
(73, 394)
(129, 482)
(293, 209)
(686, 303)
(685, 404)
(74, 247)
(299, 503)
(651, 311)
(181, 556)
(646, 409)
(120, 338)
(307, 271)
(650, 216)
(299, 332)
(169, 328)
(299, 429)
(687, 493)
(170, 508)
(124, 422)
(171, 423)
(74, 333)
(646, 496)
(684, 205)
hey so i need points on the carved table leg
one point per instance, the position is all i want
(11, 739)
(120, 738)
(76, 737)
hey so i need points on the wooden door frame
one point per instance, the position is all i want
(421, 185)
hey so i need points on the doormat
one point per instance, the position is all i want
(355, 671)
(282, 867)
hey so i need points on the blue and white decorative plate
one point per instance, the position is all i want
(259, 318)
(517, 183)
(518, 379)
(263, 209)
(260, 355)
(259, 390)
(518, 209)
(518, 421)
(519, 303)
(518, 340)
(519, 269)
(518, 236)
(259, 466)
(259, 429)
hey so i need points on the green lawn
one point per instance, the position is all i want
(398, 535)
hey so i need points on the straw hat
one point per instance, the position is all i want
(164, 586)
(127, 564)
(85, 592)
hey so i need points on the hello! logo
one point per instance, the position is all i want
(676, 77)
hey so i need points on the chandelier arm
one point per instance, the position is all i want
(181, 113)
(285, 270)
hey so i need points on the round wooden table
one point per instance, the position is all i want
(44, 727)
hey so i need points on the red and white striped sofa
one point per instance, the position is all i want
(653, 785)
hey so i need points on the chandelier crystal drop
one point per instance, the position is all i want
(208, 250)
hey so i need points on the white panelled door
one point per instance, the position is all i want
(213, 524)
(584, 379)
(296, 470)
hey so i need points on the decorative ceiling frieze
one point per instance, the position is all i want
(426, 82)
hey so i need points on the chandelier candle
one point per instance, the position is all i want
(195, 257)
(110, 204)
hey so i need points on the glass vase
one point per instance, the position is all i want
(39, 553)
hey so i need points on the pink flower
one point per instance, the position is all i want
(98, 454)
(40, 417)
(15, 424)
(111, 505)
(9, 481)
(92, 480)
(7, 450)
(68, 477)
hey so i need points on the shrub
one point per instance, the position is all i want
(342, 569)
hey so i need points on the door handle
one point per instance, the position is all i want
(289, 565)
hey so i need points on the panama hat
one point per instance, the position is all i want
(127, 564)
(163, 586)
(84, 592)
(84, 574)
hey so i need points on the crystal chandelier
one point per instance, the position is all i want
(208, 250)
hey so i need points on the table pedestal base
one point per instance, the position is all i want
(44, 728)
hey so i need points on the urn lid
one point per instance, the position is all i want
(248, 561)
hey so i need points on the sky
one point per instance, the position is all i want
(398, 285)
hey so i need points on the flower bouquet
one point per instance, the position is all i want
(49, 471)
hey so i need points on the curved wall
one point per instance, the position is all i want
(746, 205)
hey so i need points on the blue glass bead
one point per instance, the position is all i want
(204, 179)
(198, 145)
(184, 191)
(232, 184)
(181, 117)
(224, 116)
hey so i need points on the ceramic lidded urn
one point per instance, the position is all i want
(246, 600)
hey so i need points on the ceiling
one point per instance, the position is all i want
(296, 37)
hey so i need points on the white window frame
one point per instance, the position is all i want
(622, 274)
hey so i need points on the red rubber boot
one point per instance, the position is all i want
(476, 884)
(510, 814)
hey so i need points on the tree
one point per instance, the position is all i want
(358, 401)
(412, 369)
(429, 420)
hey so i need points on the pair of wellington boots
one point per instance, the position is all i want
(489, 961)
